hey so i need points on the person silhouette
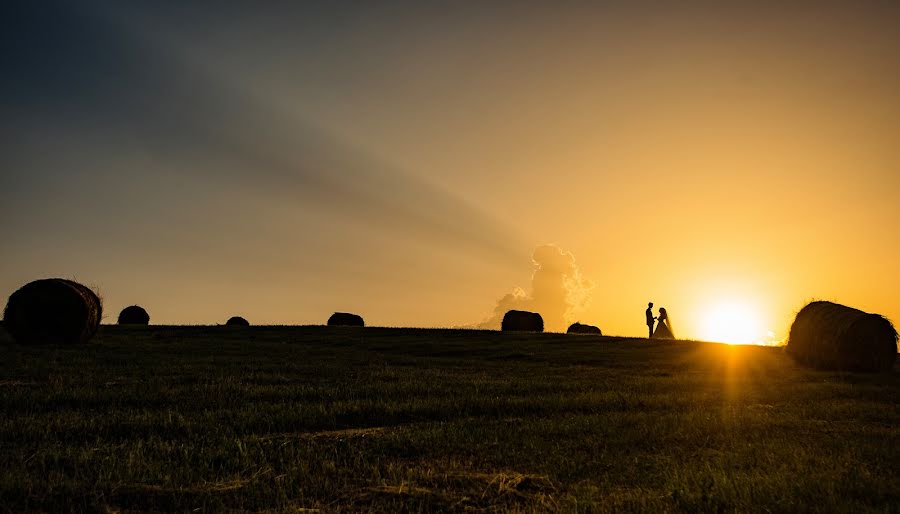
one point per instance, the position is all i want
(664, 327)
(650, 318)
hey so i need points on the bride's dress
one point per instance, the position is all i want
(663, 330)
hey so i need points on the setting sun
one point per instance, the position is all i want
(732, 323)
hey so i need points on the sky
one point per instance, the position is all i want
(434, 163)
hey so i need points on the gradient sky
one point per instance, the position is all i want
(405, 161)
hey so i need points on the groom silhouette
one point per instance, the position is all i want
(650, 318)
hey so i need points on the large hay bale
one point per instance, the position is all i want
(578, 328)
(522, 321)
(134, 315)
(345, 319)
(237, 321)
(53, 310)
(827, 335)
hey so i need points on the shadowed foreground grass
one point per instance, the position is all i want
(292, 418)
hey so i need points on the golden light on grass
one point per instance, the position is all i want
(732, 322)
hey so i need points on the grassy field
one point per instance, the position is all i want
(292, 418)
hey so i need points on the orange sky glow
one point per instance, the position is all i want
(727, 163)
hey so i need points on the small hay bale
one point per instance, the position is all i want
(237, 321)
(53, 310)
(830, 336)
(578, 328)
(345, 319)
(134, 315)
(522, 321)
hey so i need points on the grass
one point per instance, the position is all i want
(294, 418)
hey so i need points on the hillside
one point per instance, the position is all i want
(288, 418)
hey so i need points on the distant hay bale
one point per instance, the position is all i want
(345, 319)
(237, 321)
(578, 328)
(134, 315)
(53, 310)
(522, 321)
(830, 336)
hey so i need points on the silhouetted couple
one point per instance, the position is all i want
(663, 327)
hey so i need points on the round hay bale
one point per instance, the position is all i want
(578, 328)
(831, 336)
(237, 321)
(134, 315)
(522, 321)
(53, 310)
(345, 319)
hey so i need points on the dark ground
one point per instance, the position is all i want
(343, 419)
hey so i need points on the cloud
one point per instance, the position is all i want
(558, 291)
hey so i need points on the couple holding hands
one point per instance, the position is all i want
(663, 326)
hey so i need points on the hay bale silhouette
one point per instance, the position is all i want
(237, 321)
(134, 315)
(831, 336)
(345, 319)
(53, 310)
(578, 328)
(522, 321)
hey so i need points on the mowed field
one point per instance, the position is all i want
(290, 418)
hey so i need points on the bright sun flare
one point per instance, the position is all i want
(732, 323)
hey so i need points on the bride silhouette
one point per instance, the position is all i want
(663, 326)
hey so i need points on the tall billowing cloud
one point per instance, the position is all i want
(558, 290)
